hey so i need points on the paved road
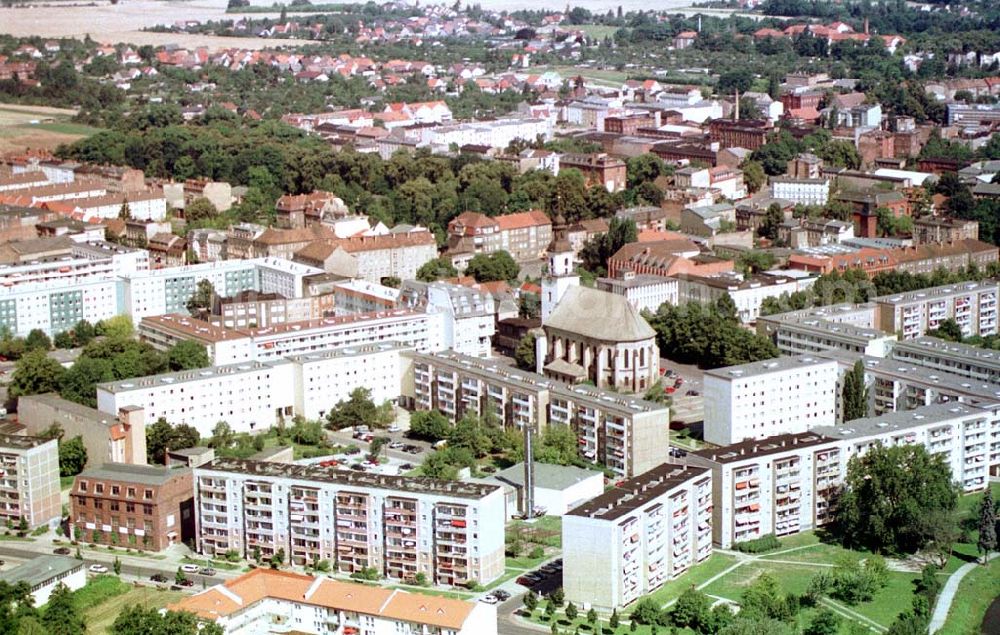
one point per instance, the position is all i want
(944, 601)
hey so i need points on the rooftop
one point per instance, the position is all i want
(40, 569)
(766, 367)
(944, 348)
(756, 448)
(56, 402)
(180, 377)
(349, 478)
(636, 492)
(921, 295)
(548, 476)
(20, 442)
(599, 315)
(238, 594)
(901, 420)
(129, 473)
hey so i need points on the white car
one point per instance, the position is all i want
(97, 568)
(394, 428)
(489, 599)
(190, 568)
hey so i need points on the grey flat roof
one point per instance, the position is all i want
(40, 570)
(944, 291)
(767, 367)
(900, 420)
(142, 474)
(753, 448)
(951, 350)
(548, 476)
(21, 442)
(53, 400)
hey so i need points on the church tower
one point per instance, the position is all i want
(561, 274)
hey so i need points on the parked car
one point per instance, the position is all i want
(207, 571)
(329, 463)
(395, 445)
(489, 599)
(97, 568)
(352, 450)
(406, 466)
(501, 595)
(190, 568)
(524, 581)
(158, 577)
(187, 582)
(394, 428)
(62, 551)
(692, 393)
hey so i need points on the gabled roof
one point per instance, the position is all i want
(522, 219)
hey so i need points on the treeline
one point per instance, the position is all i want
(272, 158)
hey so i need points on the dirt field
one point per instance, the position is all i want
(123, 23)
(24, 127)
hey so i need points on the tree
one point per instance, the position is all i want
(135, 619)
(614, 620)
(597, 250)
(201, 300)
(571, 612)
(854, 394)
(187, 355)
(199, 209)
(72, 456)
(79, 382)
(947, 329)
(492, 267)
(692, 610)
(179, 576)
(117, 566)
(429, 425)
(161, 435)
(753, 175)
(734, 80)
(117, 327)
(83, 333)
(592, 616)
(529, 306)
(436, 269)
(747, 625)
(61, 615)
(896, 500)
(359, 409)
(646, 611)
(773, 218)
(524, 354)
(35, 373)
(763, 599)
(37, 340)
(530, 601)
(987, 526)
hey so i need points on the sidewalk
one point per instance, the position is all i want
(940, 615)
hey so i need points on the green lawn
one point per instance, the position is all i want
(461, 595)
(716, 563)
(66, 128)
(597, 31)
(216, 564)
(100, 617)
(794, 578)
(976, 592)
(66, 482)
(99, 590)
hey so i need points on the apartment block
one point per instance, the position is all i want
(643, 292)
(253, 396)
(29, 480)
(787, 395)
(747, 292)
(251, 309)
(782, 485)
(57, 306)
(148, 506)
(468, 316)
(524, 235)
(822, 329)
(973, 305)
(108, 437)
(451, 532)
(421, 330)
(967, 437)
(632, 539)
(625, 434)
(167, 290)
(973, 362)
(257, 601)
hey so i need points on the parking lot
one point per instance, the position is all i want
(400, 456)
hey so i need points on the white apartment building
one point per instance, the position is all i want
(44, 573)
(360, 296)
(468, 315)
(973, 362)
(635, 537)
(809, 332)
(29, 480)
(87, 262)
(498, 133)
(968, 437)
(57, 305)
(643, 292)
(780, 485)
(258, 600)
(324, 378)
(160, 291)
(626, 434)
(973, 305)
(419, 330)
(787, 395)
(253, 396)
(747, 293)
(801, 191)
(452, 532)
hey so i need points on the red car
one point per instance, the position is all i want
(329, 463)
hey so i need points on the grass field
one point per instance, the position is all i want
(597, 75)
(99, 617)
(597, 31)
(38, 127)
(716, 564)
(975, 594)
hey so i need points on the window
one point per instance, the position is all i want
(147, 510)
(130, 507)
(114, 506)
(99, 488)
(130, 492)
(148, 494)
(116, 490)
(83, 486)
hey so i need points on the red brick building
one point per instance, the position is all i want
(628, 124)
(144, 506)
(597, 169)
(743, 133)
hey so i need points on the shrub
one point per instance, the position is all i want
(763, 544)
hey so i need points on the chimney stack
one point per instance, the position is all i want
(866, 26)
(736, 101)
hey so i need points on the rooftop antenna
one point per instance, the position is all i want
(529, 474)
